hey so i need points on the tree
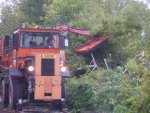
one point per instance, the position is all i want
(9, 19)
(61, 11)
(123, 20)
(32, 11)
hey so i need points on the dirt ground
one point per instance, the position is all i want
(4, 110)
(32, 108)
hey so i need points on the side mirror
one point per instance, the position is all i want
(66, 42)
(63, 42)
(15, 41)
(6, 41)
(7, 45)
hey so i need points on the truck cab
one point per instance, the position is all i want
(35, 62)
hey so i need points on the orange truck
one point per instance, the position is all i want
(32, 66)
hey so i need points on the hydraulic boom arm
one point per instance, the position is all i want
(73, 30)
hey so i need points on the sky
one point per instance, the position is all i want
(1, 1)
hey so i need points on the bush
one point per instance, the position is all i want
(139, 101)
(98, 91)
(110, 91)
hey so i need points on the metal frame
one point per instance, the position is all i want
(93, 63)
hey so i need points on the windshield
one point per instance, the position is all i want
(39, 40)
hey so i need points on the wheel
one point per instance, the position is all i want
(4, 93)
(30, 96)
(19, 107)
(63, 90)
(57, 104)
(15, 92)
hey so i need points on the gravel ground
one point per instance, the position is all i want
(33, 108)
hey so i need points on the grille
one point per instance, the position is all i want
(47, 67)
(47, 94)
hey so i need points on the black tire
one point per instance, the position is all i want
(63, 90)
(57, 104)
(5, 93)
(31, 96)
(15, 92)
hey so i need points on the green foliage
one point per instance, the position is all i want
(102, 91)
(75, 61)
(32, 11)
(61, 11)
(132, 66)
(80, 97)
(9, 20)
(139, 101)
(110, 91)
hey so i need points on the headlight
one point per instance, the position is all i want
(63, 69)
(30, 68)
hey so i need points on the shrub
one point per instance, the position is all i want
(97, 91)
(110, 91)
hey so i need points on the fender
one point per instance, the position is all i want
(14, 72)
(6, 79)
(65, 74)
